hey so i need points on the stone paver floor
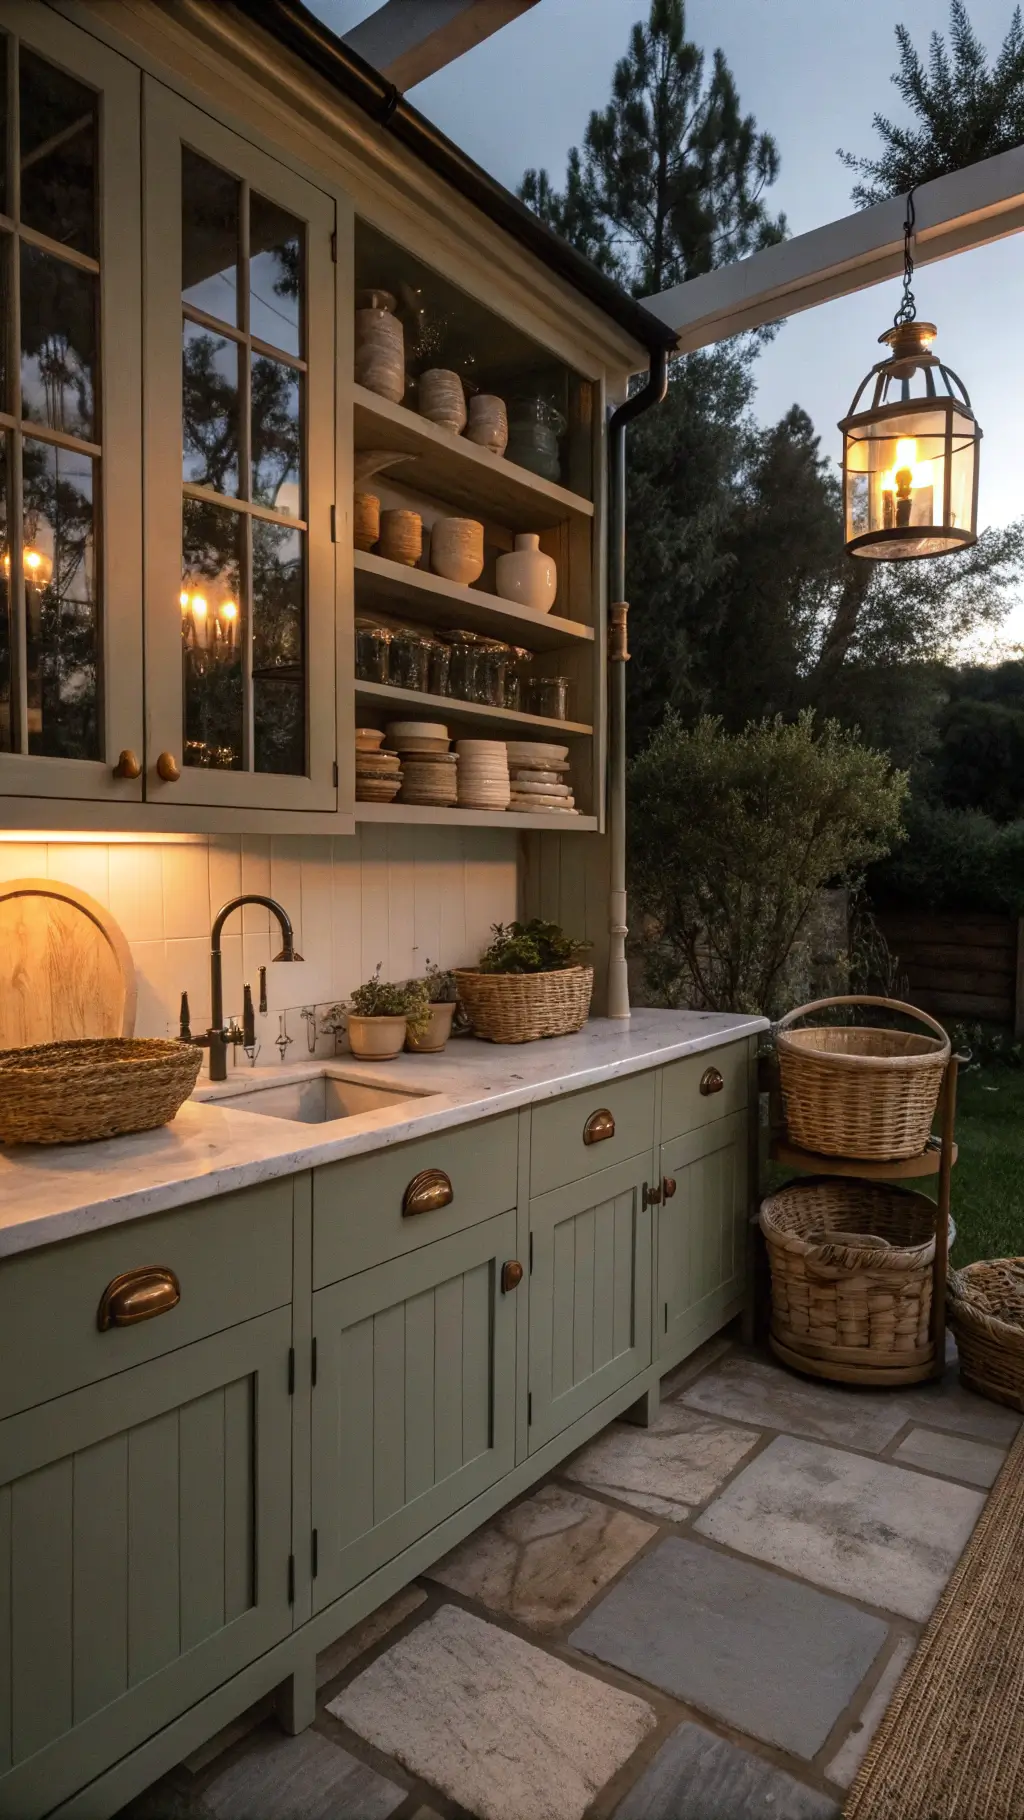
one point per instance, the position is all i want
(699, 1619)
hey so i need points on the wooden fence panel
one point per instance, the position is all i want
(968, 966)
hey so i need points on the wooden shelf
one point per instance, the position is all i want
(412, 705)
(906, 1169)
(452, 469)
(423, 596)
(416, 815)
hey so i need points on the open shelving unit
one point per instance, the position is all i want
(409, 704)
(430, 599)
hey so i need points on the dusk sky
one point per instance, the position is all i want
(812, 74)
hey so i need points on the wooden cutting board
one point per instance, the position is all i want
(65, 967)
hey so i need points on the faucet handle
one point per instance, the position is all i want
(184, 1025)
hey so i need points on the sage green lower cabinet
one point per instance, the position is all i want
(144, 1542)
(590, 1294)
(702, 1233)
(414, 1401)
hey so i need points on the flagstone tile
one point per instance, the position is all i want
(303, 1778)
(746, 1389)
(541, 1561)
(669, 1468)
(852, 1752)
(777, 1660)
(500, 1727)
(696, 1776)
(946, 1403)
(951, 1456)
(337, 1656)
(861, 1527)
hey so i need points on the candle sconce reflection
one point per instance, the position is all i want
(213, 632)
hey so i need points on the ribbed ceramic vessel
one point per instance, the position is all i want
(488, 422)
(401, 536)
(457, 549)
(442, 399)
(365, 520)
(379, 346)
(526, 575)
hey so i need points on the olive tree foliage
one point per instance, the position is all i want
(733, 835)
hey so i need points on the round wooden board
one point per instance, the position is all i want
(901, 1170)
(66, 970)
(850, 1374)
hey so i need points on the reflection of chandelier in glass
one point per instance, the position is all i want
(214, 633)
(910, 459)
(37, 567)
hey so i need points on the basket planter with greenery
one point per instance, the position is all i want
(528, 984)
(379, 1016)
(442, 993)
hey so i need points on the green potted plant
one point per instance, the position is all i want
(529, 983)
(442, 995)
(379, 1015)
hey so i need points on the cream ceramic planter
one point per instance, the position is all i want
(376, 1039)
(526, 575)
(434, 1038)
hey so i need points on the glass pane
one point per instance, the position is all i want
(6, 723)
(209, 410)
(61, 605)
(58, 154)
(6, 255)
(275, 276)
(58, 343)
(279, 691)
(276, 436)
(209, 237)
(5, 201)
(212, 635)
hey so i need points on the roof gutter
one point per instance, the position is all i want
(295, 27)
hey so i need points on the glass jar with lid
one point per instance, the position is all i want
(464, 648)
(409, 659)
(492, 664)
(372, 644)
(548, 696)
(517, 676)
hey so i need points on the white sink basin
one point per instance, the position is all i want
(316, 1100)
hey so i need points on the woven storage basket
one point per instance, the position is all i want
(68, 1093)
(851, 1266)
(860, 1092)
(520, 1007)
(985, 1309)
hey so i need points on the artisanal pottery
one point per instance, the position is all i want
(436, 1036)
(457, 549)
(380, 346)
(415, 729)
(442, 399)
(376, 1039)
(368, 739)
(535, 428)
(526, 575)
(488, 422)
(365, 520)
(535, 752)
(401, 537)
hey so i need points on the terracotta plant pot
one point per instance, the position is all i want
(526, 575)
(401, 537)
(434, 1039)
(488, 422)
(380, 346)
(457, 549)
(442, 399)
(376, 1039)
(365, 520)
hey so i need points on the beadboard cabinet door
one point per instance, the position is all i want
(590, 1294)
(702, 1233)
(414, 1400)
(144, 1543)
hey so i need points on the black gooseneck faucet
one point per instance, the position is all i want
(217, 1037)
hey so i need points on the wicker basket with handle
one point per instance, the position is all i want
(70, 1093)
(985, 1309)
(520, 1007)
(860, 1092)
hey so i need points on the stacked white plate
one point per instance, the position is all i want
(539, 779)
(483, 774)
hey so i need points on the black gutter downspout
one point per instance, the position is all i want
(618, 656)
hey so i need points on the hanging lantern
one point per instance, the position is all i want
(910, 456)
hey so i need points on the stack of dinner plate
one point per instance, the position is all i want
(540, 783)
(378, 774)
(483, 774)
(429, 769)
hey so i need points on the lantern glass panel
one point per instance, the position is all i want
(962, 465)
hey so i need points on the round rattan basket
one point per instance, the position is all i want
(851, 1267)
(855, 1091)
(985, 1309)
(520, 1007)
(71, 1093)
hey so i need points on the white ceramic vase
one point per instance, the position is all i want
(526, 575)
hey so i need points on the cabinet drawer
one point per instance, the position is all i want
(359, 1207)
(232, 1258)
(569, 1142)
(685, 1104)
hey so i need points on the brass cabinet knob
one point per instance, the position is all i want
(668, 1186)
(128, 765)
(600, 1125)
(427, 1192)
(138, 1295)
(511, 1275)
(168, 768)
(711, 1081)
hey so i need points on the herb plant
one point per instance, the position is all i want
(384, 998)
(533, 947)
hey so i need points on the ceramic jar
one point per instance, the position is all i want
(436, 1036)
(365, 520)
(488, 422)
(401, 537)
(526, 575)
(457, 549)
(380, 346)
(376, 1039)
(534, 432)
(442, 399)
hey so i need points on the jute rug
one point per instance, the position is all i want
(951, 1744)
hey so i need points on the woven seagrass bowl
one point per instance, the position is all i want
(521, 1007)
(985, 1309)
(860, 1092)
(99, 1087)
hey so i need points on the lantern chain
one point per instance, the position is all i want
(907, 311)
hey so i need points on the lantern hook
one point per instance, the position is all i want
(907, 311)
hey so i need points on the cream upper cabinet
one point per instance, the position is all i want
(70, 413)
(239, 339)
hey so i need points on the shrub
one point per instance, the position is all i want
(732, 838)
(954, 859)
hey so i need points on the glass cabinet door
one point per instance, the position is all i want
(240, 471)
(70, 385)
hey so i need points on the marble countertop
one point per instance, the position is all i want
(48, 1193)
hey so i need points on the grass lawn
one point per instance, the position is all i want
(988, 1181)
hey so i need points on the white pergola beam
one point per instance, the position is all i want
(409, 40)
(967, 209)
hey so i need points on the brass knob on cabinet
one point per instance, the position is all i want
(668, 1186)
(168, 768)
(128, 765)
(600, 1125)
(711, 1081)
(427, 1192)
(511, 1275)
(138, 1295)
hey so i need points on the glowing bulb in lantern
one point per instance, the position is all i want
(229, 614)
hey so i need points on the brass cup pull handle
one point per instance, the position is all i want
(168, 768)
(711, 1081)
(138, 1295)
(668, 1186)
(128, 765)
(511, 1275)
(600, 1125)
(427, 1192)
